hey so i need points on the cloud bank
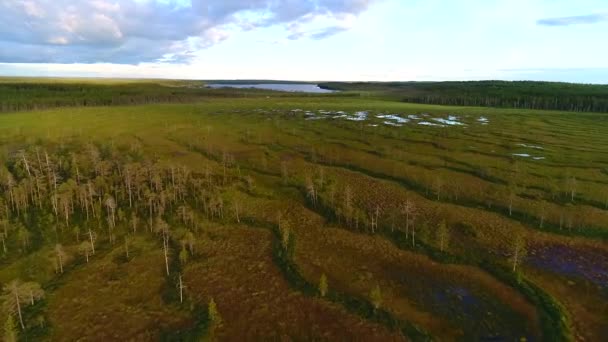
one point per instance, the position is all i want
(139, 31)
(575, 20)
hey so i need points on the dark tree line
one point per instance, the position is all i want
(524, 94)
(24, 96)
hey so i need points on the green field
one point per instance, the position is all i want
(179, 213)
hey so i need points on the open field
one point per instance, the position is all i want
(218, 218)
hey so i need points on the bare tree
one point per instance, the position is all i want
(92, 237)
(237, 210)
(409, 209)
(519, 250)
(311, 191)
(110, 204)
(127, 247)
(60, 255)
(181, 288)
(374, 218)
(163, 228)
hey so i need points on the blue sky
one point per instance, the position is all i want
(555, 40)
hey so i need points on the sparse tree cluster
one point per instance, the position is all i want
(17, 295)
(75, 201)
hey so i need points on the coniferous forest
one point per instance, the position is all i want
(502, 94)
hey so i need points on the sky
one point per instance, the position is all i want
(309, 40)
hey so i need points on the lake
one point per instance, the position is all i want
(290, 87)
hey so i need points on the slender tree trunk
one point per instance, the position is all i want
(413, 237)
(165, 243)
(181, 290)
(19, 311)
(92, 243)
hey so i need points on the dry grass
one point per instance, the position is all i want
(110, 300)
(256, 302)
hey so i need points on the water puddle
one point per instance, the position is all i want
(527, 155)
(359, 116)
(483, 120)
(531, 146)
(450, 121)
(393, 117)
(391, 123)
(589, 265)
(426, 123)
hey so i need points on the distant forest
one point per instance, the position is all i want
(32, 94)
(18, 95)
(524, 94)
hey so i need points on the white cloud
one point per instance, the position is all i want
(135, 31)
(575, 20)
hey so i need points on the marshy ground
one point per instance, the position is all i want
(427, 222)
